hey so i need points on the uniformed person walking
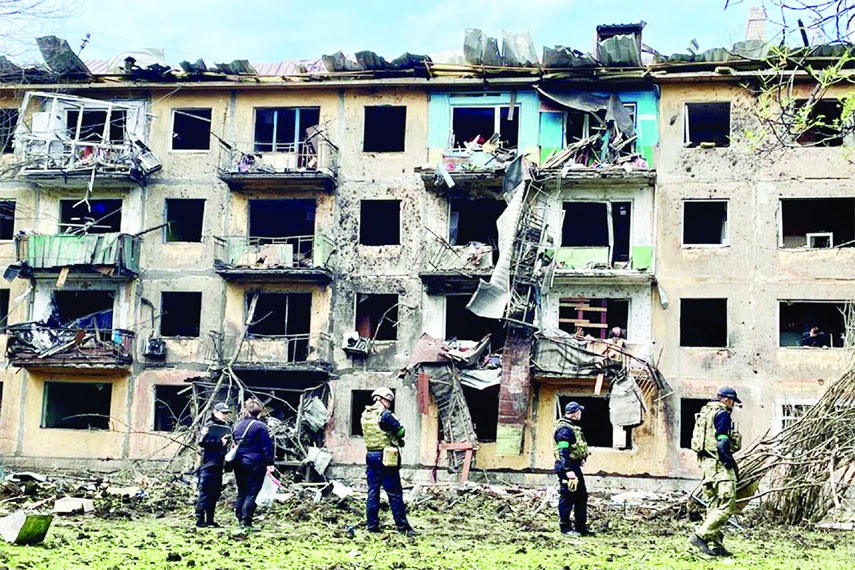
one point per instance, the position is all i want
(571, 451)
(214, 441)
(716, 440)
(384, 436)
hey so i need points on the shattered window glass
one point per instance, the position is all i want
(92, 126)
(280, 129)
(191, 129)
(8, 122)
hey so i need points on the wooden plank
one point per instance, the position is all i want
(598, 387)
(63, 276)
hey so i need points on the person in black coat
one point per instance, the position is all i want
(253, 460)
(214, 441)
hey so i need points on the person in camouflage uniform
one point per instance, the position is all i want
(571, 451)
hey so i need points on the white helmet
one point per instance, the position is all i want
(383, 392)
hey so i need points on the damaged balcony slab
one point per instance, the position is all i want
(36, 346)
(295, 259)
(447, 268)
(447, 282)
(477, 180)
(110, 255)
(303, 355)
(574, 276)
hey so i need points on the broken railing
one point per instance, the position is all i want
(293, 252)
(318, 156)
(37, 344)
(441, 256)
(269, 350)
(110, 253)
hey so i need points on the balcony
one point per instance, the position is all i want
(296, 259)
(105, 255)
(576, 265)
(469, 170)
(447, 268)
(40, 347)
(310, 165)
(302, 353)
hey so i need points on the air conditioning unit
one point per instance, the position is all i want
(155, 349)
(820, 240)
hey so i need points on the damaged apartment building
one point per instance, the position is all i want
(490, 233)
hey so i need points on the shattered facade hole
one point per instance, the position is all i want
(602, 225)
(7, 219)
(283, 315)
(479, 124)
(705, 222)
(474, 221)
(89, 310)
(703, 323)
(463, 324)
(484, 410)
(595, 422)
(96, 217)
(77, 405)
(707, 124)
(172, 408)
(191, 129)
(180, 313)
(817, 222)
(824, 118)
(689, 407)
(283, 129)
(380, 222)
(385, 128)
(4, 307)
(92, 126)
(359, 399)
(377, 316)
(184, 217)
(8, 122)
(591, 316)
(281, 218)
(797, 318)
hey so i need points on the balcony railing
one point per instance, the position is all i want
(35, 345)
(65, 158)
(111, 254)
(446, 267)
(298, 257)
(279, 351)
(292, 166)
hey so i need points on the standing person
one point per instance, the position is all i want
(253, 460)
(214, 441)
(384, 435)
(571, 450)
(715, 440)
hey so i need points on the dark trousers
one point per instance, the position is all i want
(390, 479)
(573, 502)
(210, 486)
(249, 478)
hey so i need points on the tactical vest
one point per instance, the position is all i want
(375, 438)
(704, 436)
(578, 450)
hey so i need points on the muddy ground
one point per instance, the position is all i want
(473, 526)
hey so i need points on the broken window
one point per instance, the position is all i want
(463, 324)
(4, 309)
(184, 219)
(705, 222)
(180, 313)
(377, 316)
(91, 126)
(604, 225)
(479, 124)
(359, 400)
(8, 122)
(191, 129)
(703, 322)
(281, 218)
(791, 414)
(96, 217)
(688, 408)
(484, 409)
(7, 219)
(707, 124)
(76, 405)
(825, 125)
(474, 221)
(91, 310)
(283, 314)
(817, 222)
(385, 129)
(594, 317)
(172, 407)
(595, 422)
(380, 222)
(280, 129)
(812, 323)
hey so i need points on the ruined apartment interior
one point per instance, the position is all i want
(491, 233)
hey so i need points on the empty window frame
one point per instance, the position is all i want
(817, 222)
(703, 323)
(7, 219)
(385, 128)
(281, 218)
(463, 324)
(191, 129)
(707, 124)
(797, 318)
(704, 222)
(484, 409)
(184, 219)
(4, 309)
(688, 408)
(791, 414)
(76, 405)
(172, 409)
(479, 124)
(180, 313)
(825, 127)
(8, 122)
(595, 422)
(377, 316)
(594, 317)
(282, 314)
(92, 126)
(96, 217)
(579, 125)
(281, 129)
(474, 221)
(380, 222)
(90, 310)
(359, 400)
(599, 224)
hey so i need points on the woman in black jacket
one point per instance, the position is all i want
(214, 440)
(253, 460)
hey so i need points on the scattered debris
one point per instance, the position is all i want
(25, 528)
(73, 506)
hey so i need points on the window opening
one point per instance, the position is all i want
(595, 422)
(93, 123)
(191, 129)
(792, 413)
(359, 400)
(599, 224)
(7, 219)
(812, 324)
(283, 315)
(688, 408)
(98, 217)
(377, 316)
(76, 405)
(707, 124)
(281, 218)
(479, 124)
(4, 309)
(380, 222)
(704, 222)
(181, 313)
(594, 317)
(89, 310)
(475, 221)
(184, 218)
(283, 129)
(385, 129)
(817, 222)
(484, 410)
(826, 128)
(172, 408)
(8, 123)
(463, 324)
(703, 322)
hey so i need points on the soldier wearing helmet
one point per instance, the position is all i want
(571, 450)
(384, 436)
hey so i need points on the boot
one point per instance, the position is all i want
(200, 521)
(699, 542)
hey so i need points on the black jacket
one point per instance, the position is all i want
(256, 447)
(211, 442)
